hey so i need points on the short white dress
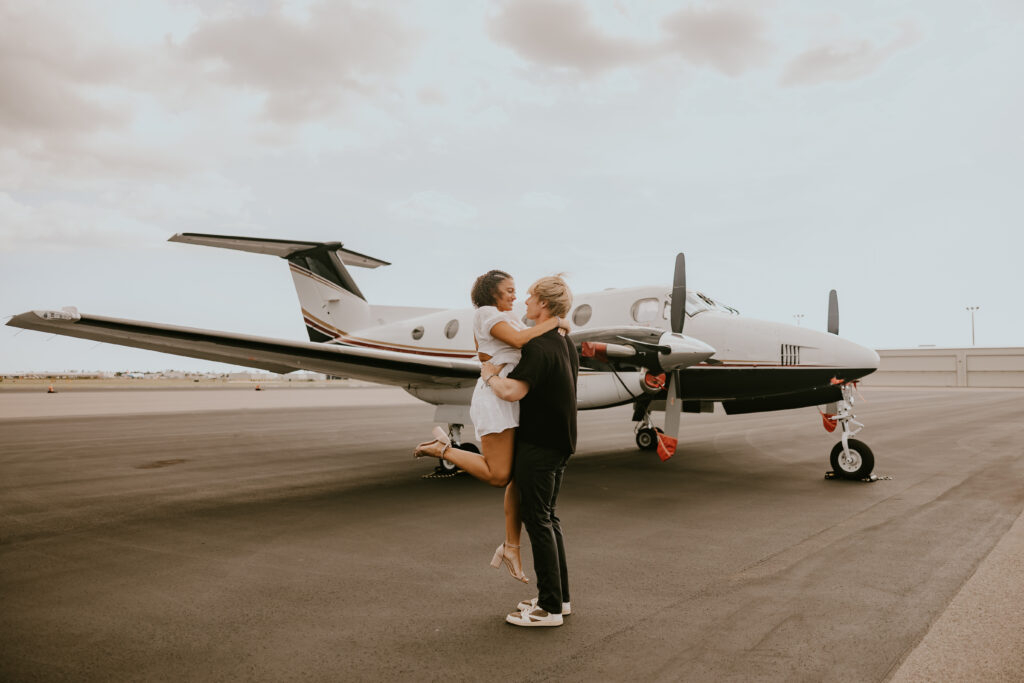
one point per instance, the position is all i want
(489, 413)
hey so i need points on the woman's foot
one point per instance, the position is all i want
(508, 555)
(435, 448)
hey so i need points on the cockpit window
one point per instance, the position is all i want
(697, 302)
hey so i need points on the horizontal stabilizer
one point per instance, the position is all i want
(282, 248)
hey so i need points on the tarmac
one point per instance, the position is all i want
(289, 534)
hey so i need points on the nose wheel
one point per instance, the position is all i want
(850, 458)
(853, 462)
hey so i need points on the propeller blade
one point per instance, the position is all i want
(673, 410)
(833, 312)
(679, 294)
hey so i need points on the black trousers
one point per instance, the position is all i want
(538, 473)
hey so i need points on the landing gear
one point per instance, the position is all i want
(450, 467)
(647, 438)
(646, 432)
(855, 461)
(446, 468)
(850, 458)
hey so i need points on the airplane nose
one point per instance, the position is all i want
(860, 357)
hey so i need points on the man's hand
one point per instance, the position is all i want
(503, 387)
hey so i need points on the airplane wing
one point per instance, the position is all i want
(265, 353)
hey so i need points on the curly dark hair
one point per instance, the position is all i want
(485, 289)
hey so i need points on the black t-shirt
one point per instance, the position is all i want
(547, 414)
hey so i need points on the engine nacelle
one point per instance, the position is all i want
(679, 351)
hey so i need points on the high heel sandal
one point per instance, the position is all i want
(428, 447)
(500, 557)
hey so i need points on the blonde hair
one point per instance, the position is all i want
(553, 291)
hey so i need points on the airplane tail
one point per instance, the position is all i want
(332, 304)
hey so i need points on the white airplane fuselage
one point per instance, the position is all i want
(752, 357)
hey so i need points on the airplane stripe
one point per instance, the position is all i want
(340, 336)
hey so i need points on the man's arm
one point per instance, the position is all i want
(503, 387)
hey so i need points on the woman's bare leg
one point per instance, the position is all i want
(513, 523)
(493, 465)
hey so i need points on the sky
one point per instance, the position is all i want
(788, 148)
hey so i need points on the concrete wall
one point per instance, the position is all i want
(934, 367)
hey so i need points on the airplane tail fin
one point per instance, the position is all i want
(331, 302)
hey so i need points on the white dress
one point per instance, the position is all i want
(489, 413)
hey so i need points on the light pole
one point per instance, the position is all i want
(798, 317)
(972, 309)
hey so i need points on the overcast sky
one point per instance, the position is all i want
(786, 147)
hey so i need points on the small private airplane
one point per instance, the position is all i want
(631, 343)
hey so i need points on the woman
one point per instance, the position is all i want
(499, 337)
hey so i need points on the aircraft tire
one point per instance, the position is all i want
(860, 464)
(466, 446)
(647, 439)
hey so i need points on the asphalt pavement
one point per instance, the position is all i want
(290, 535)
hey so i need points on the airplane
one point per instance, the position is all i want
(631, 344)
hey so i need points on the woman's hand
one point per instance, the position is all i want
(564, 326)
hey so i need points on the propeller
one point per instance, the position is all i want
(833, 312)
(679, 294)
(673, 395)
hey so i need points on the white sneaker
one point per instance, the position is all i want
(530, 604)
(534, 617)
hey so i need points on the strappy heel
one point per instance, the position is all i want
(500, 557)
(435, 448)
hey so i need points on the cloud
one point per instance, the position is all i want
(562, 34)
(47, 74)
(69, 98)
(124, 214)
(845, 61)
(558, 33)
(434, 207)
(62, 225)
(305, 68)
(725, 39)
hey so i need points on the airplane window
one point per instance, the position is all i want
(717, 305)
(451, 329)
(645, 310)
(694, 304)
(417, 332)
(581, 316)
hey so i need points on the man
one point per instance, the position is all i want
(544, 383)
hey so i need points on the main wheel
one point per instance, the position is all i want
(857, 465)
(449, 466)
(647, 438)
